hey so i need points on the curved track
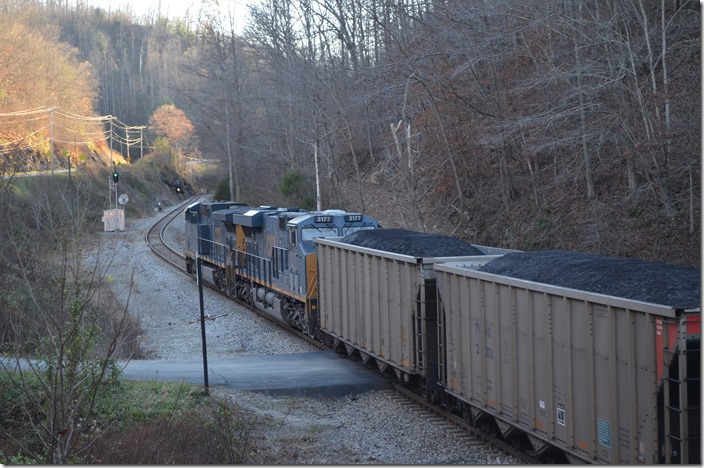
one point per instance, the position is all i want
(158, 244)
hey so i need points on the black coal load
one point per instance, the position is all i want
(641, 280)
(415, 244)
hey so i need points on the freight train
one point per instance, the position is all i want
(573, 357)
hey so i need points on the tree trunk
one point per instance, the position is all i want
(582, 113)
(667, 146)
(318, 203)
(232, 173)
(407, 171)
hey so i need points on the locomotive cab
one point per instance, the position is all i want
(303, 229)
(303, 266)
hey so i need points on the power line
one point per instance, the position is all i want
(116, 125)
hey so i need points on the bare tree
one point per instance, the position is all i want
(65, 332)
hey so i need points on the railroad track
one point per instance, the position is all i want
(156, 240)
(500, 449)
(494, 449)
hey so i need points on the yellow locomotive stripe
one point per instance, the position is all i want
(312, 275)
(241, 241)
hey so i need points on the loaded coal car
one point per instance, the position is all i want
(378, 299)
(266, 255)
(594, 359)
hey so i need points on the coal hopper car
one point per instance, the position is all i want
(573, 357)
(595, 357)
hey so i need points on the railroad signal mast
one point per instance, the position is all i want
(113, 186)
(114, 217)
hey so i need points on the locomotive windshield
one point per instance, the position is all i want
(311, 233)
(350, 229)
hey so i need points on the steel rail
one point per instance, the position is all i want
(154, 237)
(487, 437)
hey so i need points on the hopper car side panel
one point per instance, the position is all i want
(383, 305)
(368, 300)
(575, 370)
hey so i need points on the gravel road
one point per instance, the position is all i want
(368, 428)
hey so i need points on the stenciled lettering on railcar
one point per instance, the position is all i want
(603, 429)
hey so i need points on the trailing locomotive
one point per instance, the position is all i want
(265, 255)
(579, 358)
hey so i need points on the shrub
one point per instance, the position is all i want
(222, 191)
(298, 189)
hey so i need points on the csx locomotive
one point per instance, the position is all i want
(520, 342)
(265, 255)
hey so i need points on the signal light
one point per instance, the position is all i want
(115, 176)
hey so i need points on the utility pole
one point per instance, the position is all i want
(51, 137)
(111, 118)
(127, 140)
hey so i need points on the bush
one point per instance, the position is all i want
(298, 189)
(222, 191)
(138, 422)
(169, 423)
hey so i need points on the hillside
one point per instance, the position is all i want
(520, 124)
(525, 124)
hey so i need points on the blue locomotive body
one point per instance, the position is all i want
(265, 255)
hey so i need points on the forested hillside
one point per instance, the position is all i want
(528, 124)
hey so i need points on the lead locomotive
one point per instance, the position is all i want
(266, 255)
